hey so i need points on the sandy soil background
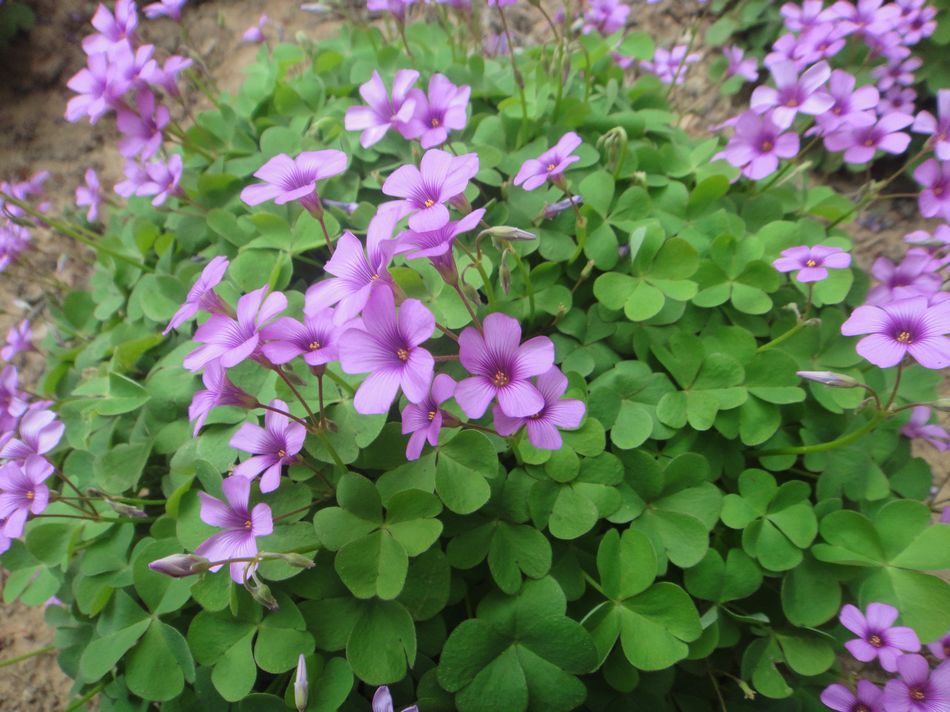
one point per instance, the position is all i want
(34, 136)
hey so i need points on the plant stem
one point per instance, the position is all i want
(88, 696)
(897, 384)
(27, 656)
(286, 414)
(468, 306)
(447, 331)
(489, 290)
(594, 584)
(519, 81)
(326, 233)
(319, 474)
(832, 444)
(293, 389)
(292, 512)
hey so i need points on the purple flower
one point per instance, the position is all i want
(271, 447)
(757, 146)
(550, 164)
(867, 17)
(868, 698)
(552, 210)
(899, 72)
(90, 195)
(799, 18)
(424, 419)
(812, 262)
(543, 426)
(142, 129)
(939, 239)
(739, 66)
(19, 340)
(383, 112)
(255, 33)
(937, 128)
(179, 565)
(287, 179)
(919, 689)
(422, 191)
(792, 94)
(39, 433)
(383, 700)
(219, 391)
(605, 16)
(397, 8)
(437, 244)
(934, 199)
(670, 65)
(233, 340)
(501, 3)
(878, 638)
(940, 649)
(12, 399)
(907, 326)
(501, 366)
(444, 108)
(388, 349)
(916, 275)
(135, 177)
(113, 29)
(166, 76)
(201, 295)
(860, 143)
(162, 179)
(823, 41)
(919, 427)
(241, 527)
(22, 493)
(165, 8)
(316, 339)
(99, 86)
(917, 20)
(850, 106)
(356, 275)
(897, 100)
(787, 48)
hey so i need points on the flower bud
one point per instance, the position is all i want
(941, 404)
(829, 378)
(348, 208)
(261, 593)
(180, 565)
(552, 210)
(300, 684)
(301, 562)
(507, 232)
(126, 510)
(614, 143)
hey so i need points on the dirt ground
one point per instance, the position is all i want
(34, 136)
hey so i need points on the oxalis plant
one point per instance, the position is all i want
(504, 393)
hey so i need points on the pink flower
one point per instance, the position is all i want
(142, 129)
(937, 127)
(907, 326)
(241, 527)
(919, 427)
(916, 275)
(201, 295)
(162, 180)
(255, 33)
(165, 8)
(114, 29)
(317, 339)
(934, 199)
(550, 164)
(868, 698)
(19, 340)
(757, 146)
(557, 412)
(287, 179)
(812, 263)
(90, 195)
(860, 143)
(218, 391)
(878, 638)
(918, 689)
(39, 432)
(382, 112)
(424, 419)
(792, 94)
(443, 108)
(272, 447)
(22, 493)
(423, 191)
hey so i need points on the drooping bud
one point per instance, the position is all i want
(301, 562)
(829, 378)
(507, 232)
(261, 593)
(348, 208)
(614, 143)
(301, 688)
(126, 510)
(552, 210)
(941, 404)
(180, 565)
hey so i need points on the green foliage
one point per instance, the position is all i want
(692, 532)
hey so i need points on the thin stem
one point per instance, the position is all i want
(594, 584)
(292, 512)
(27, 656)
(341, 383)
(88, 696)
(65, 478)
(319, 474)
(489, 290)
(330, 449)
(830, 445)
(715, 684)
(449, 357)
(447, 332)
(519, 81)
(482, 428)
(286, 414)
(320, 399)
(468, 306)
(326, 233)
(557, 36)
(293, 389)
(401, 24)
(897, 384)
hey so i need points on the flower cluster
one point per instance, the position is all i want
(123, 76)
(15, 224)
(29, 430)
(919, 685)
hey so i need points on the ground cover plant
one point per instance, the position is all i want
(444, 370)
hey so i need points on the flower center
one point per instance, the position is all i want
(869, 143)
(431, 415)
(500, 379)
(938, 190)
(429, 202)
(767, 145)
(917, 694)
(29, 495)
(313, 345)
(946, 648)
(904, 338)
(837, 111)
(435, 123)
(247, 524)
(282, 453)
(550, 167)
(792, 103)
(374, 277)
(860, 707)
(402, 354)
(810, 263)
(875, 639)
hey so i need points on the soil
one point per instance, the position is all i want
(34, 136)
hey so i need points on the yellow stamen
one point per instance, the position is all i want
(403, 355)
(431, 415)
(313, 345)
(810, 263)
(904, 338)
(500, 379)
(429, 202)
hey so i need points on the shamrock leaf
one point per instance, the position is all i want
(624, 400)
(520, 653)
(372, 550)
(735, 273)
(893, 549)
(513, 550)
(721, 580)
(653, 621)
(777, 522)
(675, 507)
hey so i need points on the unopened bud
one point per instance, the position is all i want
(180, 565)
(348, 208)
(504, 277)
(316, 8)
(829, 378)
(507, 232)
(301, 687)
(551, 211)
(614, 143)
(261, 593)
(301, 562)
(126, 510)
(941, 404)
